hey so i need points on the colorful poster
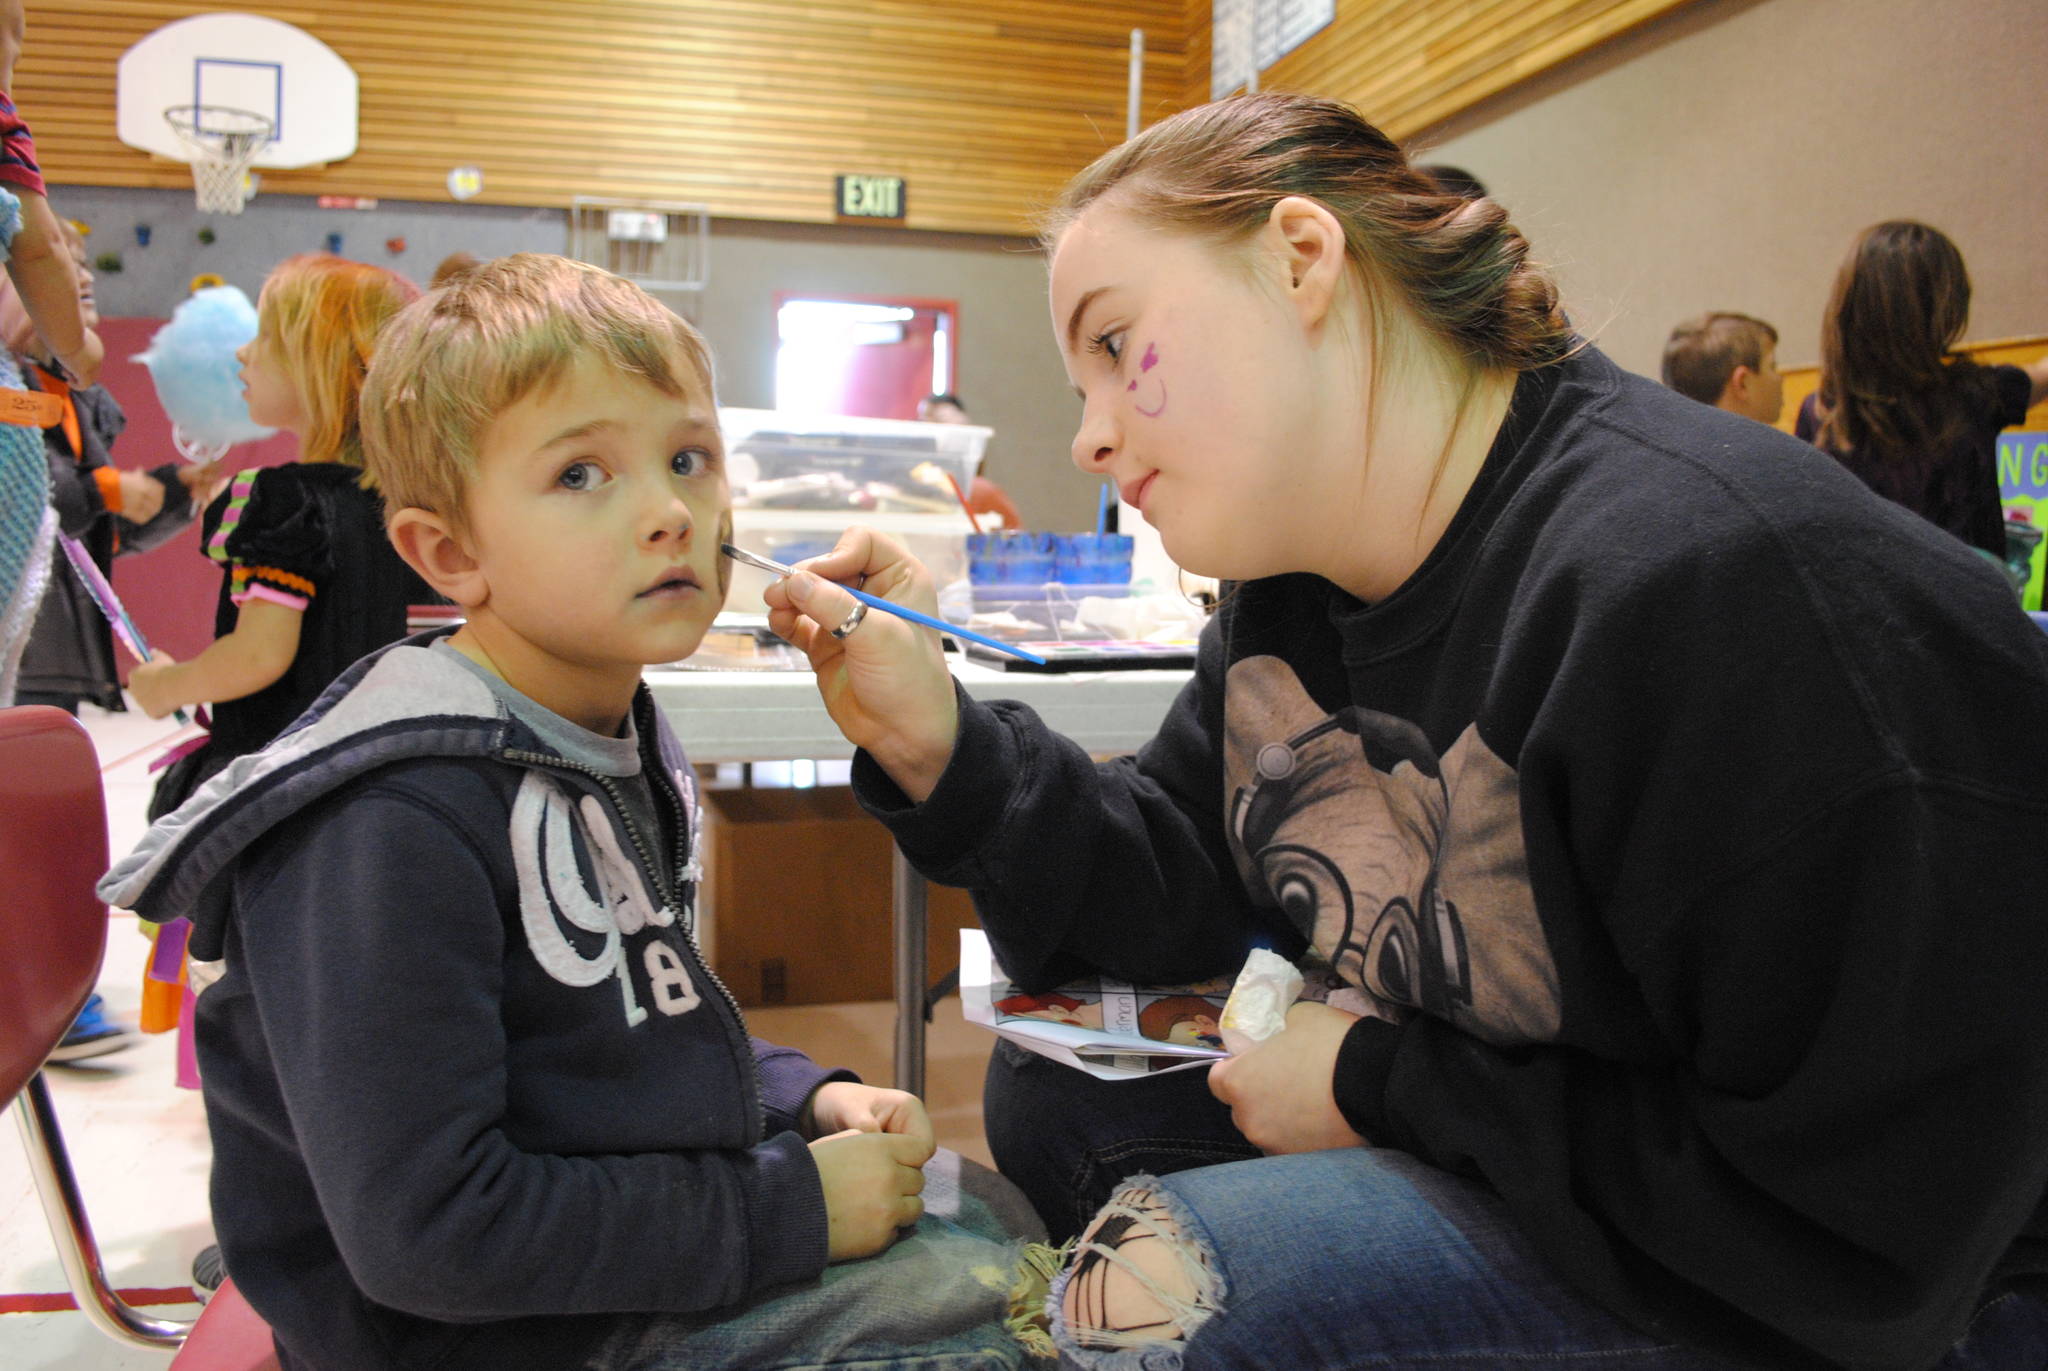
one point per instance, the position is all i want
(2023, 485)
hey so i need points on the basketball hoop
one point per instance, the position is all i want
(223, 142)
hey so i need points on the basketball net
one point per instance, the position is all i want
(223, 142)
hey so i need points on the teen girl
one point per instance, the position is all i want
(1918, 422)
(1666, 791)
(310, 582)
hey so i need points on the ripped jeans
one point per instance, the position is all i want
(936, 1300)
(1324, 1261)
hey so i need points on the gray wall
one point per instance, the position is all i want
(272, 227)
(1009, 374)
(1009, 367)
(1725, 156)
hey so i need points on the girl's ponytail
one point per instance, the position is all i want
(1218, 170)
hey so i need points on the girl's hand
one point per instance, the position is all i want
(839, 1105)
(1280, 1093)
(885, 684)
(150, 684)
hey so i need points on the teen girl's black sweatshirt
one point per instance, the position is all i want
(1685, 809)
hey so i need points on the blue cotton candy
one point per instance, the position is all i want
(192, 361)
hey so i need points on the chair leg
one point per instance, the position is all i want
(71, 1229)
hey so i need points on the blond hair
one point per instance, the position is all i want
(459, 357)
(1702, 353)
(322, 313)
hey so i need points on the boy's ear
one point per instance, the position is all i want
(1308, 243)
(1736, 390)
(442, 558)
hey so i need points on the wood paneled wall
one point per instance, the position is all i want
(1407, 64)
(749, 106)
(752, 106)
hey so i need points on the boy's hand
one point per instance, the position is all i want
(1280, 1093)
(840, 1105)
(885, 684)
(871, 1183)
(150, 684)
(142, 496)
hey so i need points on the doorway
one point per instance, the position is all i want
(872, 357)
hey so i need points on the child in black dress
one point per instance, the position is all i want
(311, 583)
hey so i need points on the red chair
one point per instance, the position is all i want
(53, 933)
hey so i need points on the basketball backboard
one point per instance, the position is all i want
(246, 62)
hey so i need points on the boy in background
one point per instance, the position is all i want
(40, 268)
(110, 509)
(476, 1099)
(1729, 361)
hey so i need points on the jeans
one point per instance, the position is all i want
(1354, 1258)
(934, 1301)
(1065, 1138)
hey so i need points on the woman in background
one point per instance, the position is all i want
(1916, 421)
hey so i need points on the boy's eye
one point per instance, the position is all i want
(580, 476)
(691, 461)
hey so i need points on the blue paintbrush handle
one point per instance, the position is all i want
(877, 602)
(775, 568)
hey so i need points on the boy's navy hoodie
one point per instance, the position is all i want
(464, 1062)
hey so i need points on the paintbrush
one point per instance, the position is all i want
(775, 568)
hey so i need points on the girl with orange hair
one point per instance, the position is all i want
(310, 582)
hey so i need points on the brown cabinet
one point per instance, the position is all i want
(795, 903)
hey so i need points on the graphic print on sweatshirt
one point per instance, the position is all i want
(561, 843)
(1405, 870)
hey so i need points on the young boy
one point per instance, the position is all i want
(476, 1099)
(1729, 361)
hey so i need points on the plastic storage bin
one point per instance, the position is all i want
(799, 481)
(847, 465)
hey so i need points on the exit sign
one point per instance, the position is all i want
(869, 197)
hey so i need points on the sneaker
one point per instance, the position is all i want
(208, 1271)
(92, 1034)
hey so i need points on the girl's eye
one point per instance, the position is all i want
(580, 476)
(691, 461)
(1110, 343)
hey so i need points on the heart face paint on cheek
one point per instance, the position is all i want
(1153, 402)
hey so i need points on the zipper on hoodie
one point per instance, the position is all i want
(670, 896)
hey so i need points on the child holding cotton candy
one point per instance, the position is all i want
(309, 581)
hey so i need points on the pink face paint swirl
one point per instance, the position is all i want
(1155, 390)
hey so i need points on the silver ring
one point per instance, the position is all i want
(851, 621)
